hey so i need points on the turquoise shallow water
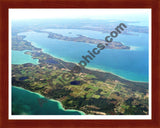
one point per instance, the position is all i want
(25, 102)
(18, 57)
(130, 64)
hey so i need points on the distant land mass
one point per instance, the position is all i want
(94, 25)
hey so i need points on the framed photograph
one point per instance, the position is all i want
(79, 64)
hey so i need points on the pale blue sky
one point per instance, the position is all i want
(118, 14)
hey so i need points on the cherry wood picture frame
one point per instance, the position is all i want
(5, 5)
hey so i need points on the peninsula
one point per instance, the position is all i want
(93, 92)
(81, 38)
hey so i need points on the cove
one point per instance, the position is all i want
(19, 57)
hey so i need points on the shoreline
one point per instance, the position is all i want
(99, 70)
(60, 105)
(89, 68)
(93, 68)
(36, 60)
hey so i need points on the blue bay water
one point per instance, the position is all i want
(130, 64)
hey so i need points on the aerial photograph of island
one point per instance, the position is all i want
(79, 61)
